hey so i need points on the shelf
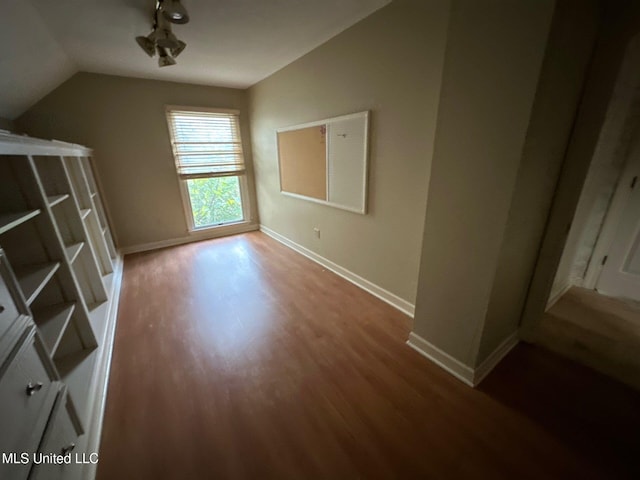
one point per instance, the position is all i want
(76, 371)
(73, 251)
(94, 195)
(56, 199)
(52, 322)
(32, 279)
(85, 213)
(10, 220)
(98, 317)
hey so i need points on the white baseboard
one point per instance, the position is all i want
(195, 237)
(455, 367)
(555, 296)
(98, 391)
(577, 282)
(462, 372)
(384, 295)
(494, 359)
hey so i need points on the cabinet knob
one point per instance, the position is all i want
(33, 388)
(68, 448)
(1, 308)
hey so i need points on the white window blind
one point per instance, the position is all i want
(205, 143)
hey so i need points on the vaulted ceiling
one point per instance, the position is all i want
(233, 43)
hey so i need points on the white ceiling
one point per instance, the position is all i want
(233, 43)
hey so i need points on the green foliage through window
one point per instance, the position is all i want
(215, 201)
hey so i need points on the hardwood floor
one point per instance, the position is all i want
(599, 331)
(239, 358)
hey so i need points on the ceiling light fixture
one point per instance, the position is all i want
(147, 45)
(165, 60)
(175, 51)
(166, 39)
(162, 40)
(175, 12)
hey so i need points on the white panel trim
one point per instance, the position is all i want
(495, 358)
(469, 376)
(193, 237)
(12, 144)
(455, 367)
(554, 297)
(102, 370)
(384, 295)
(317, 123)
(365, 115)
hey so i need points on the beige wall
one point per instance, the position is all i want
(447, 225)
(6, 124)
(610, 155)
(621, 21)
(567, 57)
(123, 120)
(492, 64)
(391, 64)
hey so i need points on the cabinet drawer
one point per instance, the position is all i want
(27, 392)
(9, 311)
(60, 438)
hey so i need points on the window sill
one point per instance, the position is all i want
(226, 229)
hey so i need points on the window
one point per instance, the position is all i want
(210, 165)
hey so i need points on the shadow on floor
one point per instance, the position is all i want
(595, 416)
(595, 330)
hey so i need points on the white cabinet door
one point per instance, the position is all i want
(59, 439)
(27, 392)
(620, 276)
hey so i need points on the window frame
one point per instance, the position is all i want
(182, 181)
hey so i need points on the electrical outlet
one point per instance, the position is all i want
(316, 230)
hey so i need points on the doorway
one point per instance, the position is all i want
(619, 272)
(596, 330)
(592, 312)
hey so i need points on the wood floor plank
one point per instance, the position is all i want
(237, 358)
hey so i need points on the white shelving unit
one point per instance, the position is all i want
(52, 323)
(10, 220)
(56, 238)
(33, 278)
